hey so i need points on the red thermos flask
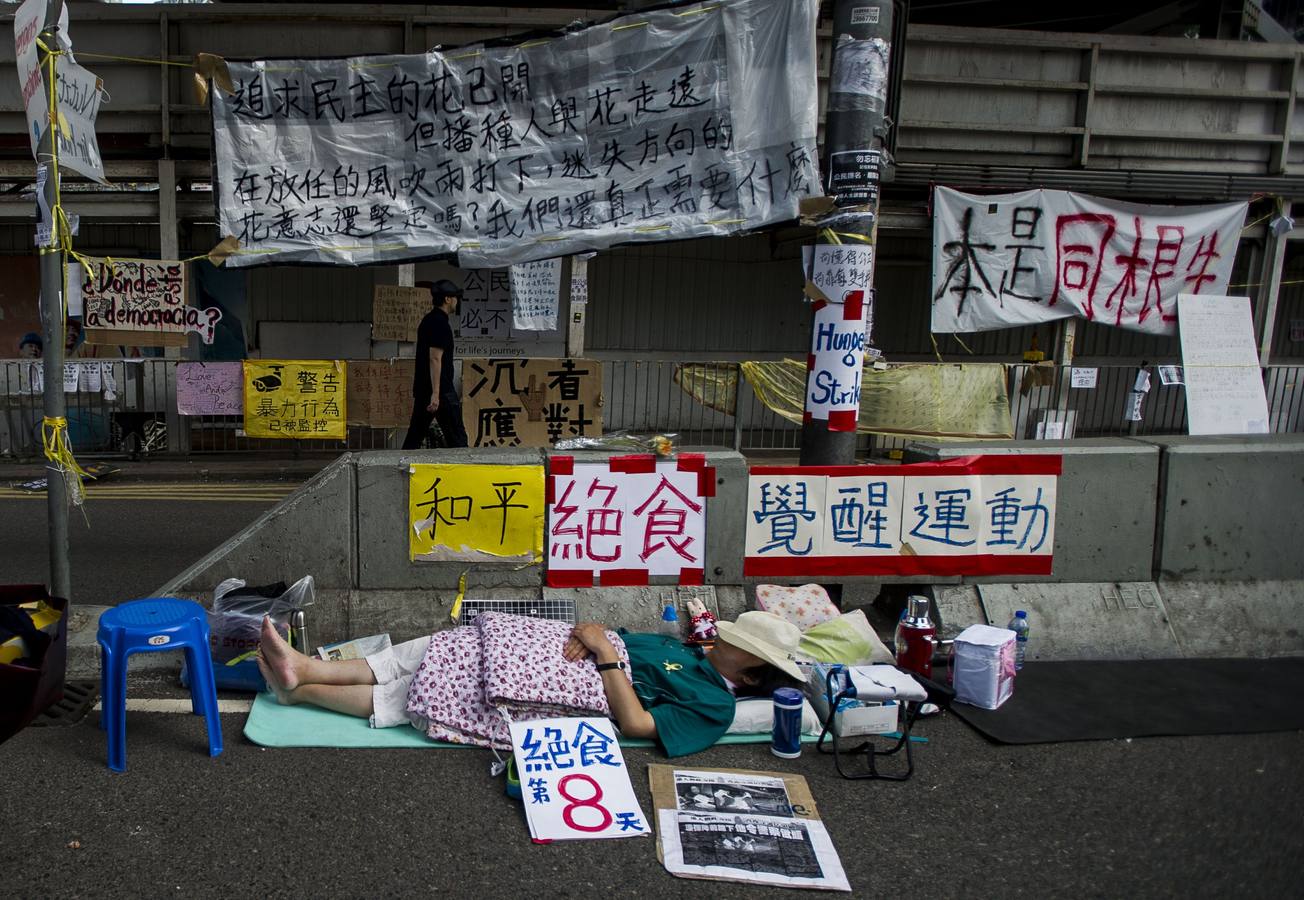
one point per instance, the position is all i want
(916, 636)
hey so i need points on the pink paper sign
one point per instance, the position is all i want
(209, 389)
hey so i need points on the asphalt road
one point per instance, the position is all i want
(133, 537)
(1160, 817)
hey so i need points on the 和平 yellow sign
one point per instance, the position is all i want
(475, 513)
(295, 398)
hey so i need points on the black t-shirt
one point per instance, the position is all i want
(434, 331)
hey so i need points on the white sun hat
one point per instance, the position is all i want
(767, 636)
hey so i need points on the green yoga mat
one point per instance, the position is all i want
(272, 725)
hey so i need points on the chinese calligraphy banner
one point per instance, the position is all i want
(536, 294)
(210, 389)
(380, 392)
(979, 515)
(475, 513)
(530, 402)
(143, 296)
(303, 399)
(574, 781)
(664, 125)
(397, 310)
(633, 517)
(1005, 260)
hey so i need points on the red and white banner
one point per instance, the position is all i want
(978, 515)
(626, 520)
(1005, 260)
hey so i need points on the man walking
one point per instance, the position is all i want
(433, 394)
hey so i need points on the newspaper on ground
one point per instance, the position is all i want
(753, 827)
(358, 648)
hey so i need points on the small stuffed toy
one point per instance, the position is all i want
(703, 620)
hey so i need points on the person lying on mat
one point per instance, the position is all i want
(681, 696)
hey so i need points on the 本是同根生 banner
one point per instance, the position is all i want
(1004, 260)
(689, 122)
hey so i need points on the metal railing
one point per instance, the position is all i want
(131, 407)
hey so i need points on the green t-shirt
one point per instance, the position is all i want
(689, 701)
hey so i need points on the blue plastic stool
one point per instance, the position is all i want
(144, 626)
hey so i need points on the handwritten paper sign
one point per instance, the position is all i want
(144, 297)
(1224, 384)
(840, 281)
(396, 311)
(530, 402)
(79, 94)
(536, 294)
(619, 523)
(1037, 256)
(475, 513)
(989, 515)
(210, 389)
(1084, 378)
(29, 19)
(574, 781)
(380, 392)
(304, 399)
(636, 129)
(486, 305)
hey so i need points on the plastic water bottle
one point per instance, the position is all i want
(1019, 625)
(670, 621)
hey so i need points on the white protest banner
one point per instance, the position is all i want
(574, 782)
(145, 296)
(1036, 256)
(686, 122)
(79, 93)
(985, 515)
(1224, 384)
(622, 522)
(536, 293)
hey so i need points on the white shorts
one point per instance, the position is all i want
(394, 668)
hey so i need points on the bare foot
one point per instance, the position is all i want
(283, 661)
(283, 697)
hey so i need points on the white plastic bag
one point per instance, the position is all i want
(236, 618)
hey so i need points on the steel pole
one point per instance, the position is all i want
(53, 324)
(854, 155)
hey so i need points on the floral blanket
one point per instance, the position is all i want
(476, 677)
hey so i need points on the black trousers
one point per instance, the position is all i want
(449, 418)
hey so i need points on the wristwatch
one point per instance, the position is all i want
(607, 667)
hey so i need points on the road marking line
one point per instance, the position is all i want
(178, 705)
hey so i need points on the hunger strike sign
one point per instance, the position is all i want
(689, 122)
(1036, 256)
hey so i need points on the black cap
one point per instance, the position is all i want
(441, 288)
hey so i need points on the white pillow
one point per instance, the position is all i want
(755, 715)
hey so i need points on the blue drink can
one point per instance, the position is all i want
(787, 723)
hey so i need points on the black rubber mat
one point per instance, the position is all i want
(1100, 700)
(78, 698)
